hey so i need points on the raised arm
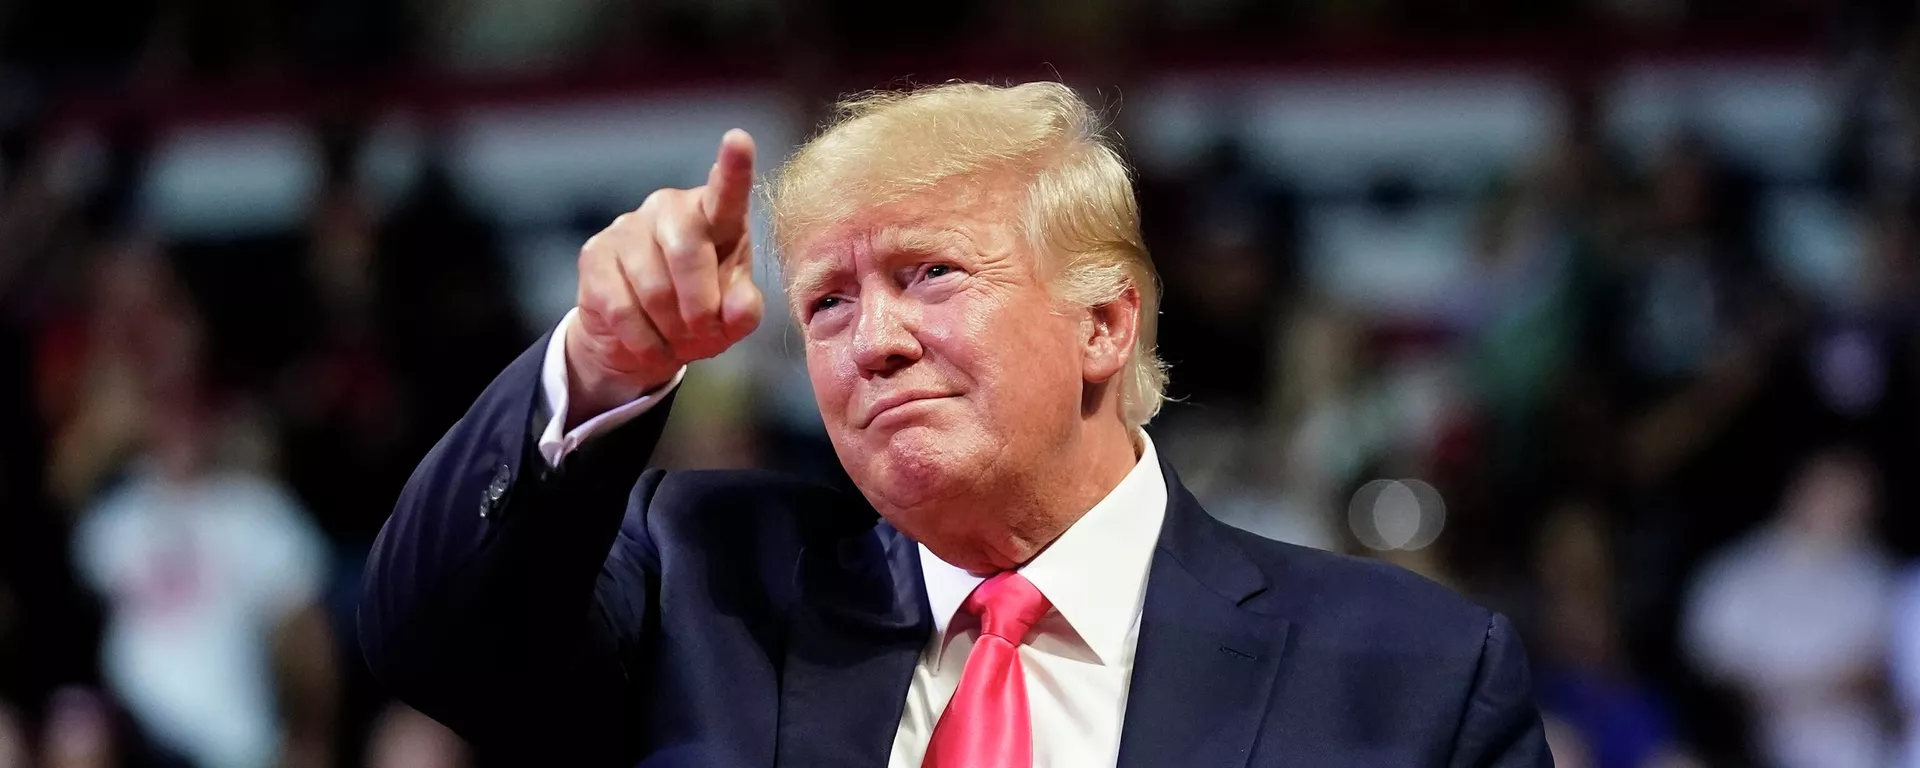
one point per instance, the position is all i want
(491, 602)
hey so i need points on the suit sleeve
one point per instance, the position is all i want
(496, 600)
(1501, 727)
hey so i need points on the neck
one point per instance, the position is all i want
(1047, 499)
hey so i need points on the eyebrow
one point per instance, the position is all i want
(810, 281)
(814, 277)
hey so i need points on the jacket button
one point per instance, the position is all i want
(490, 498)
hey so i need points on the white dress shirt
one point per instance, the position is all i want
(556, 441)
(1078, 660)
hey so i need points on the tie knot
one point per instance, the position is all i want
(1008, 606)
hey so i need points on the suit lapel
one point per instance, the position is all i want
(852, 643)
(1205, 666)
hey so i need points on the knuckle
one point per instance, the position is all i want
(680, 234)
(590, 294)
(602, 308)
(675, 243)
(589, 299)
(654, 294)
(711, 323)
(593, 251)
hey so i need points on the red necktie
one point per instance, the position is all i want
(986, 724)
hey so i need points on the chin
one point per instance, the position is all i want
(911, 466)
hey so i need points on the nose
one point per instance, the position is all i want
(883, 340)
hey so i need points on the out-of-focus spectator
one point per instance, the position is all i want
(212, 575)
(403, 321)
(46, 622)
(1683, 278)
(443, 302)
(1224, 240)
(132, 332)
(1794, 617)
(1585, 679)
(338, 395)
(404, 738)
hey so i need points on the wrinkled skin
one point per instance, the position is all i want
(975, 411)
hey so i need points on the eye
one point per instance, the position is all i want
(938, 270)
(826, 303)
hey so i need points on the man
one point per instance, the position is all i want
(1794, 616)
(1021, 580)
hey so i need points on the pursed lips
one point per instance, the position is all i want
(896, 400)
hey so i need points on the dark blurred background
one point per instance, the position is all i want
(1605, 312)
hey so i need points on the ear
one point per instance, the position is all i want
(1107, 336)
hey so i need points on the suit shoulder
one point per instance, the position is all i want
(1365, 595)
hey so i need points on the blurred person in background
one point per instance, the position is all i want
(1227, 231)
(41, 609)
(442, 303)
(212, 574)
(1687, 335)
(1687, 406)
(1794, 617)
(337, 392)
(391, 312)
(1585, 678)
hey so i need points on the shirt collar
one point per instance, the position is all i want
(1095, 574)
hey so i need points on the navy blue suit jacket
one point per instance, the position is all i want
(599, 614)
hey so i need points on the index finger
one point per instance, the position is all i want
(729, 185)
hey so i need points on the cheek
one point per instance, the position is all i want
(1014, 353)
(832, 375)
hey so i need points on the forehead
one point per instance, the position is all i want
(954, 221)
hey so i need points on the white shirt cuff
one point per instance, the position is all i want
(554, 445)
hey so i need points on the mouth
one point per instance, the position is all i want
(890, 402)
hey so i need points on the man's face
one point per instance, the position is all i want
(938, 358)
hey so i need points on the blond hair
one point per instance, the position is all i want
(1079, 206)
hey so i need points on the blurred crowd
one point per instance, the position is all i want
(1688, 476)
